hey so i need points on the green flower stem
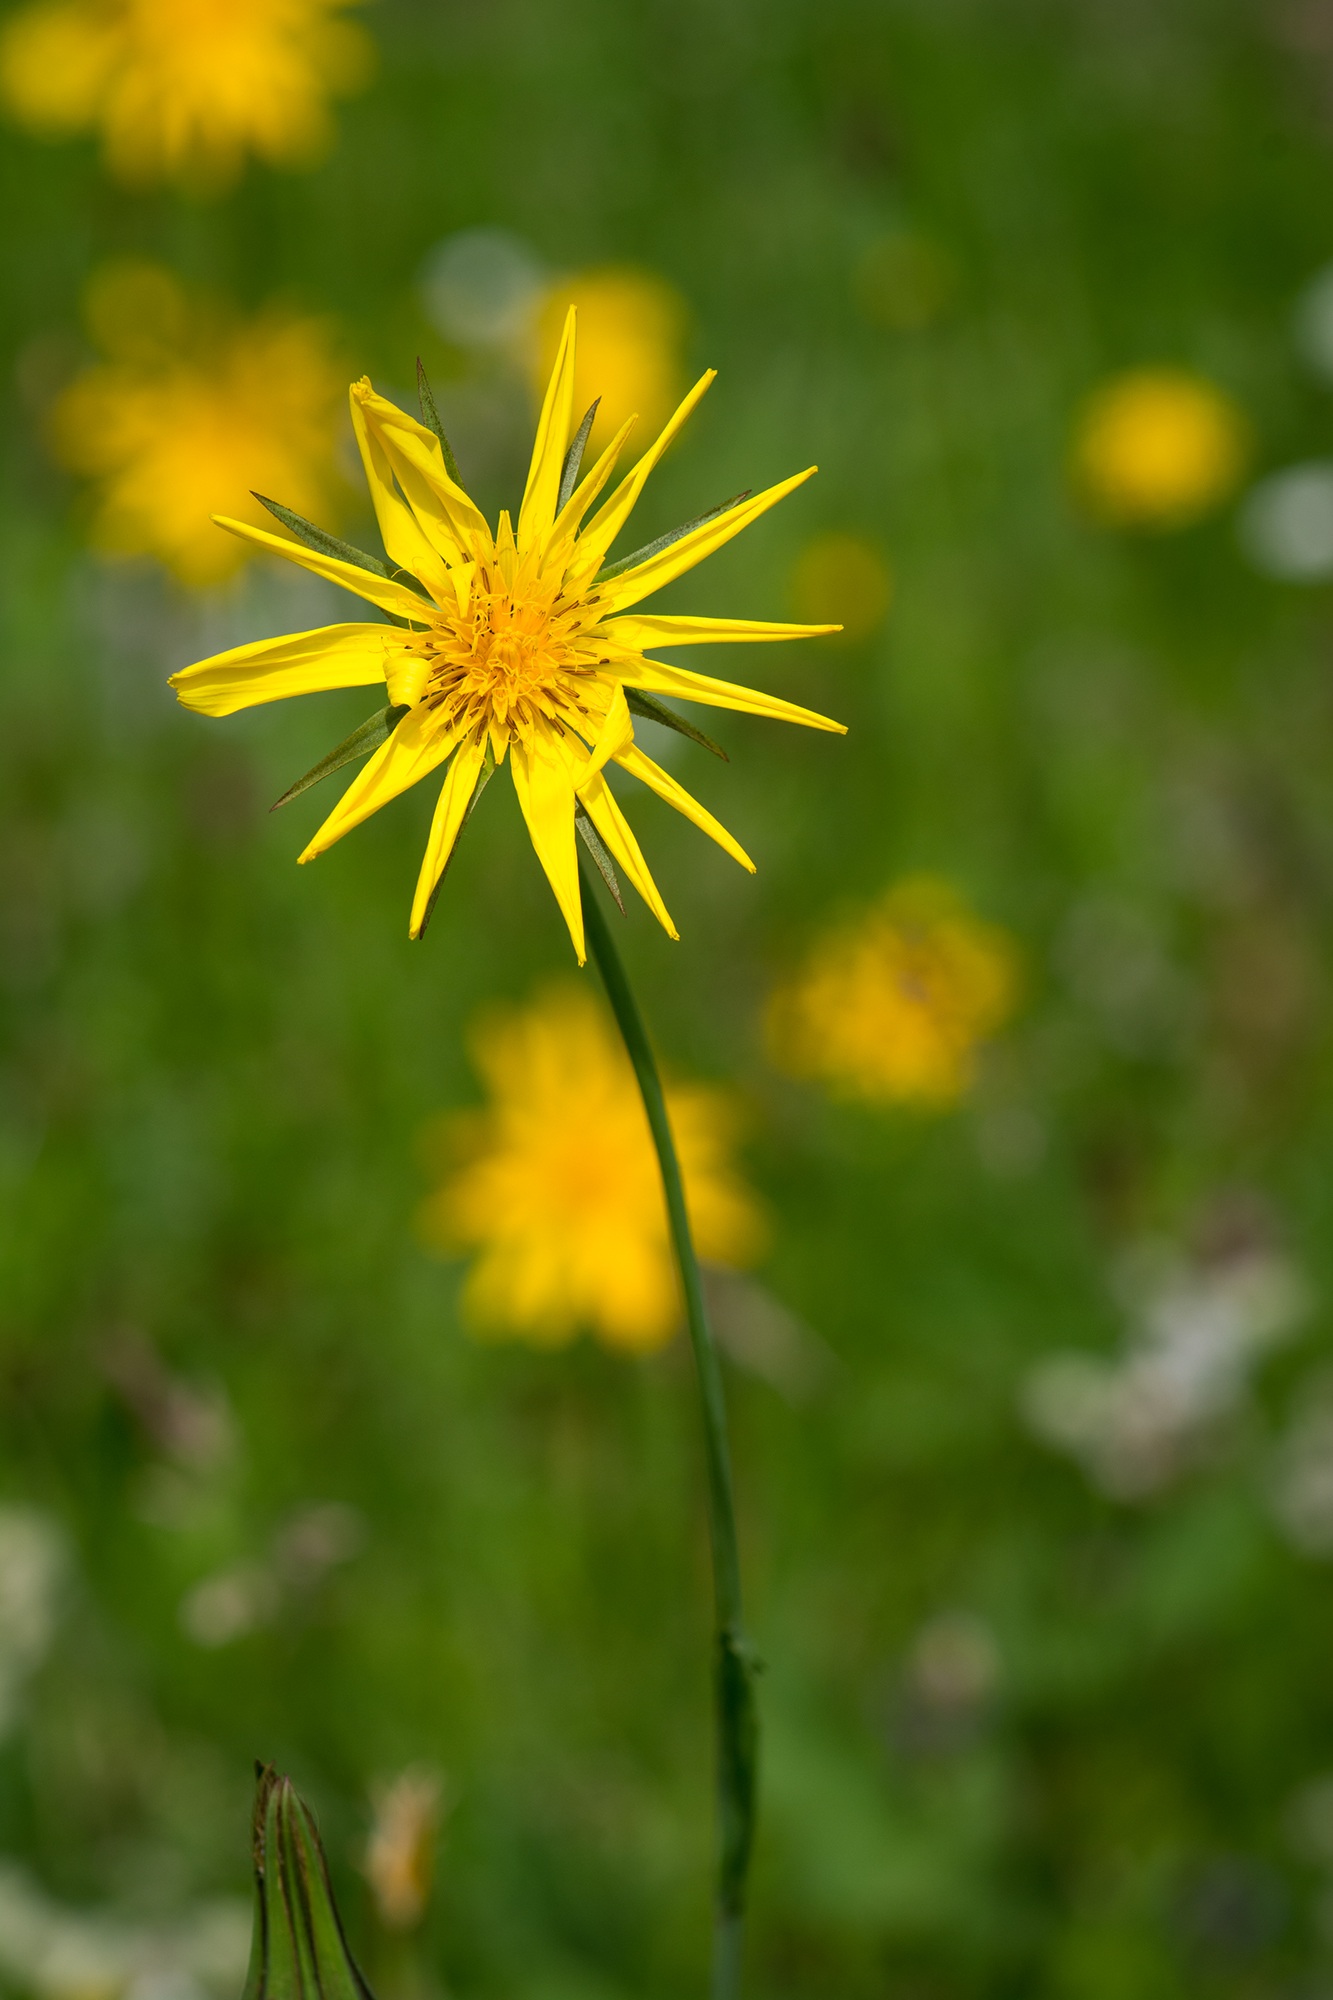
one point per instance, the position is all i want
(734, 1665)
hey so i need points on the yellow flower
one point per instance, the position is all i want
(892, 1008)
(631, 331)
(842, 576)
(522, 643)
(183, 88)
(187, 410)
(560, 1196)
(1159, 447)
(400, 1853)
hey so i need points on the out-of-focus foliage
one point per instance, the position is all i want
(1032, 1396)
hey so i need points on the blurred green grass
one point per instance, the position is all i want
(216, 1065)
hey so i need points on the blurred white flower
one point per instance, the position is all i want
(954, 1662)
(235, 1601)
(482, 288)
(764, 1337)
(1286, 524)
(1313, 322)
(1198, 1327)
(34, 1562)
(1302, 1490)
(61, 1954)
(400, 1853)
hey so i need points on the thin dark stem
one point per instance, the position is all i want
(733, 1665)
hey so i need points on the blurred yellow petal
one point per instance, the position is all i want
(557, 1197)
(333, 656)
(893, 1007)
(183, 91)
(1159, 447)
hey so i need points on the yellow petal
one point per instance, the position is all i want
(546, 796)
(449, 517)
(417, 746)
(616, 733)
(657, 678)
(450, 812)
(400, 530)
(604, 812)
(642, 630)
(639, 766)
(579, 501)
(648, 576)
(540, 494)
(390, 596)
(334, 656)
(606, 524)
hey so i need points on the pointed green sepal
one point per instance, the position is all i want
(484, 776)
(665, 541)
(653, 710)
(430, 416)
(588, 834)
(317, 538)
(368, 736)
(573, 465)
(299, 1951)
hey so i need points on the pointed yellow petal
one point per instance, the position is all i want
(579, 501)
(675, 795)
(400, 530)
(641, 630)
(546, 796)
(540, 494)
(616, 733)
(334, 656)
(656, 678)
(390, 596)
(604, 812)
(606, 524)
(450, 812)
(449, 517)
(626, 589)
(417, 746)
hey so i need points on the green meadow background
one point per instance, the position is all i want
(1037, 1720)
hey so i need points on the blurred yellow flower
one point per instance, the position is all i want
(892, 1008)
(559, 1194)
(189, 411)
(840, 577)
(631, 338)
(183, 88)
(400, 1853)
(1159, 447)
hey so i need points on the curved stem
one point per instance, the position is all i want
(733, 1663)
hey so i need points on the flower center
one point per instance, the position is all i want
(506, 664)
